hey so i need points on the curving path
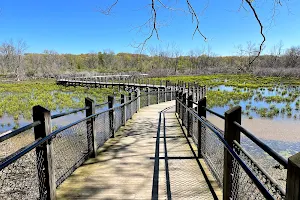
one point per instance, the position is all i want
(143, 161)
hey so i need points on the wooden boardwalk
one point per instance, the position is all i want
(143, 161)
(100, 83)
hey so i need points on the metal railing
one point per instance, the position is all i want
(42, 159)
(229, 157)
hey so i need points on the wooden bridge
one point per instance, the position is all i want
(156, 143)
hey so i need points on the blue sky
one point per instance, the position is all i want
(77, 26)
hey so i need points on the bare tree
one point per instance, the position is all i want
(292, 57)
(12, 55)
(154, 5)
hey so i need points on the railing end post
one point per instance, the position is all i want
(293, 178)
(44, 152)
(231, 133)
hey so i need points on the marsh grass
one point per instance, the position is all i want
(17, 99)
(259, 96)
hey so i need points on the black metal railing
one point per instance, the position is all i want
(235, 169)
(34, 169)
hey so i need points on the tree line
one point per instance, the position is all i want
(16, 63)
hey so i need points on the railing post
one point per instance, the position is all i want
(130, 104)
(231, 133)
(157, 95)
(293, 178)
(183, 108)
(165, 94)
(111, 102)
(44, 157)
(189, 120)
(123, 101)
(171, 93)
(90, 127)
(180, 97)
(201, 113)
(176, 102)
(148, 96)
(138, 101)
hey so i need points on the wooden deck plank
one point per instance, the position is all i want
(124, 167)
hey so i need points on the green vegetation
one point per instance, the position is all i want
(263, 96)
(17, 99)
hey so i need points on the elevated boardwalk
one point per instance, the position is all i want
(96, 83)
(150, 158)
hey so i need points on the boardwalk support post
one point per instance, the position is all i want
(293, 178)
(90, 127)
(189, 116)
(111, 102)
(231, 133)
(46, 176)
(123, 101)
(201, 113)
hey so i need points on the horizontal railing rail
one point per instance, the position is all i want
(262, 145)
(257, 182)
(18, 131)
(253, 138)
(68, 146)
(238, 164)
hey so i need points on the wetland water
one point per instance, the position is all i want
(271, 111)
(271, 114)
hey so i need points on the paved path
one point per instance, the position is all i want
(134, 166)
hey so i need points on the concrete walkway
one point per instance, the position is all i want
(142, 163)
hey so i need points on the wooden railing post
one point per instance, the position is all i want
(189, 116)
(293, 178)
(231, 133)
(157, 95)
(183, 108)
(201, 113)
(111, 101)
(90, 126)
(123, 101)
(44, 153)
(171, 93)
(148, 96)
(130, 97)
(138, 101)
(180, 97)
(165, 95)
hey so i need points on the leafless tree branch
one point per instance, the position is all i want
(108, 10)
(261, 32)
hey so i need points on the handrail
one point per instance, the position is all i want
(259, 167)
(18, 131)
(209, 110)
(75, 111)
(258, 142)
(213, 112)
(262, 145)
(101, 104)
(257, 182)
(38, 142)
(68, 113)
